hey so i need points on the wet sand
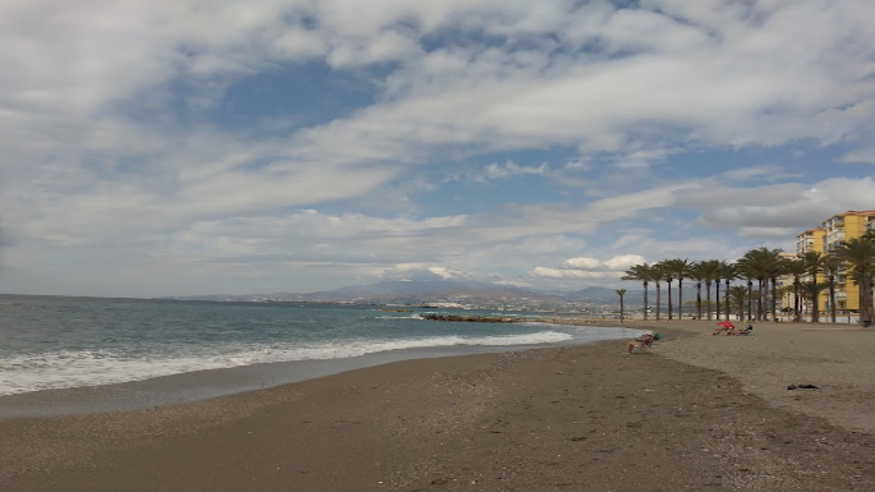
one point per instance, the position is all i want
(698, 413)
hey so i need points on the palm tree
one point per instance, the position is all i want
(774, 269)
(812, 291)
(859, 255)
(727, 272)
(813, 261)
(668, 276)
(796, 268)
(678, 269)
(738, 294)
(832, 267)
(708, 272)
(657, 276)
(785, 292)
(621, 293)
(644, 274)
(696, 274)
(749, 270)
(764, 265)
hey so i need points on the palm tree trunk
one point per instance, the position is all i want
(865, 297)
(869, 301)
(775, 299)
(832, 297)
(680, 298)
(797, 312)
(645, 300)
(699, 301)
(727, 299)
(669, 300)
(708, 298)
(717, 295)
(750, 300)
(762, 293)
(658, 300)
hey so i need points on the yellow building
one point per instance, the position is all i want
(838, 228)
(810, 240)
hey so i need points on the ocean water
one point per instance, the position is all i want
(51, 343)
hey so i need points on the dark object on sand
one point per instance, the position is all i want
(802, 386)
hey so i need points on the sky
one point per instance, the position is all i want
(168, 148)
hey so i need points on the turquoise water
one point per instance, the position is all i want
(60, 342)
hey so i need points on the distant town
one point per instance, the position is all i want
(451, 295)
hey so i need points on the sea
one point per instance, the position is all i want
(70, 355)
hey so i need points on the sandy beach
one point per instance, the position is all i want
(699, 413)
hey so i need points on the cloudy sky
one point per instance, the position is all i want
(155, 147)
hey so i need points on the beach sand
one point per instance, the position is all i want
(698, 413)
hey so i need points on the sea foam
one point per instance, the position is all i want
(73, 368)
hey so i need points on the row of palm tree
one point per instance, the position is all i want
(759, 270)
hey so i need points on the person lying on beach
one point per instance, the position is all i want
(644, 340)
(746, 331)
(729, 328)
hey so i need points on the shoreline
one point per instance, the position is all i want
(206, 384)
(700, 413)
(190, 387)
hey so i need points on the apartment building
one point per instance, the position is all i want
(824, 239)
(812, 240)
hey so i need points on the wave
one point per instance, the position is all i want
(72, 368)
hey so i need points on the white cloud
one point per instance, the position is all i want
(589, 268)
(509, 168)
(584, 263)
(109, 143)
(558, 273)
(864, 155)
(623, 262)
(495, 171)
(768, 211)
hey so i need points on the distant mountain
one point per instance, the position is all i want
(418, 292)
(606, 296)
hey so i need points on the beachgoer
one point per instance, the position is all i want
(645, 339)
(746, 331)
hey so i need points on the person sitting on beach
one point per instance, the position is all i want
(644, 340)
